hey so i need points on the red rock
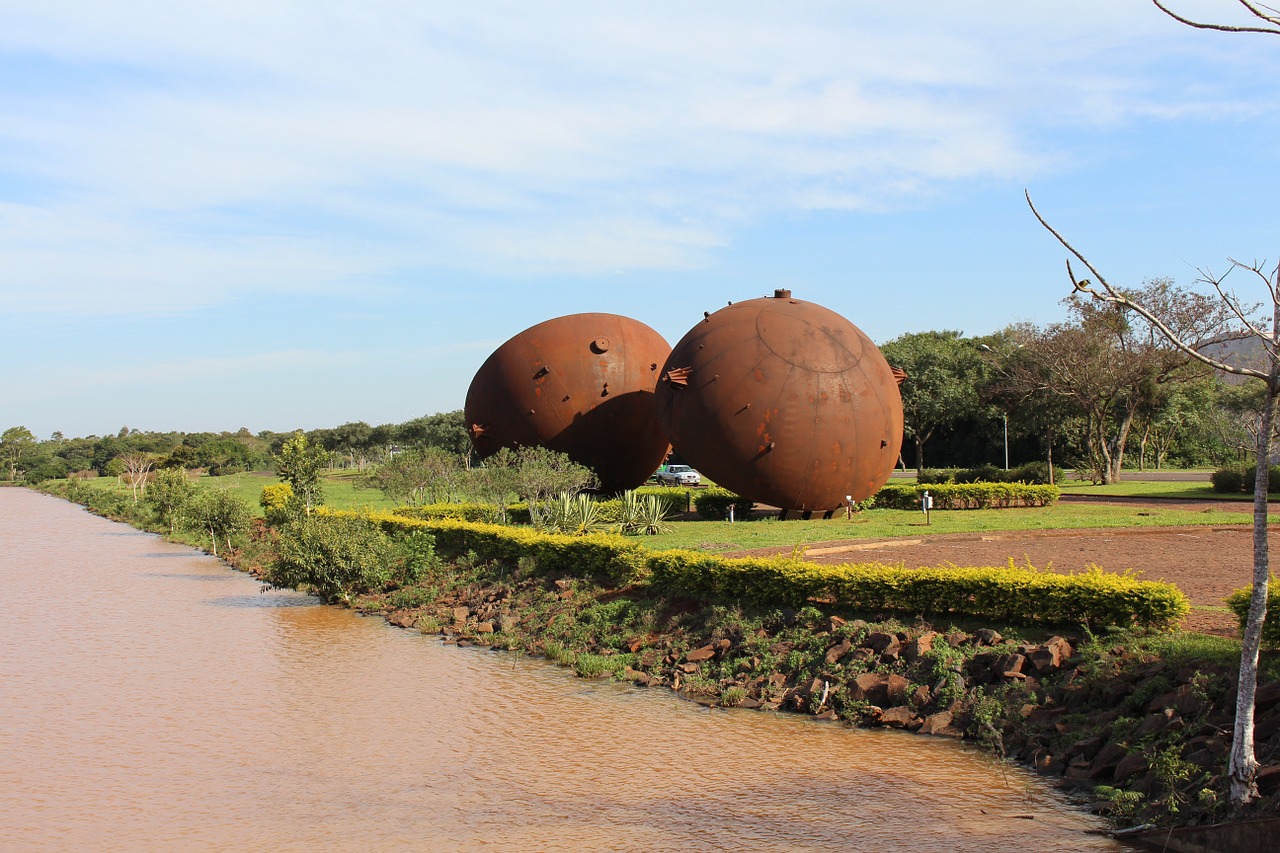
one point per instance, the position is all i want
(919, 647)
(699, 655)
(898, 717)
(484, 628)
(934, 723)
(1133, 764)
(881, 642)
(1268, 779)
(838, 651)
(1266, 698)
(460, 614)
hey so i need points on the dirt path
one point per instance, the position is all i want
(1207, 563)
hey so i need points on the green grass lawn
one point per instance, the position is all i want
(719, 536)
(339, 490)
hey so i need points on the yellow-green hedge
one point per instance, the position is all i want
(1009, 594)
(606, 556)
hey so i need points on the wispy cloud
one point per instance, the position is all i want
(189, 154)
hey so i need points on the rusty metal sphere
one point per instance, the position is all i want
(581, 384)
(784, 402)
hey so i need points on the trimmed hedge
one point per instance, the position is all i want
(713, 504)
(1009, 594)
(1242, 478)
(1239, 600)
(606, 556)
(966, 495)
(1036, 473)
(516, 513)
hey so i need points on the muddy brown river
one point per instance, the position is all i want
(153, 699)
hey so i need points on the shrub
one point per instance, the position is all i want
(169, 496)
(1242, 478)
(1238, 601)
(276, 502)
(1228, 480)
(713, 504)
(335, 555)
(642, 515)
(1008, 594)
(967, 495)
(937, 475)
(981, 474)
(1031, 472)
(220, 514)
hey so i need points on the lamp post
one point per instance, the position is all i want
(1004, 416)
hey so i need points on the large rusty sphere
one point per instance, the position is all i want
(784, 402)
(580, 384)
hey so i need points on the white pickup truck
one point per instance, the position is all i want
(677, 475)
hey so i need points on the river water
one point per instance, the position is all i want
(153, 699)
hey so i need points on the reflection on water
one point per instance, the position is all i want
(141, 712)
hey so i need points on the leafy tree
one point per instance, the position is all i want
(944, 372)
(418, 475)
(169, 495)
(1110, 369)
(354, 439)
(539, 474)
(220, 514)
(300, 465)
(446, 430)
(14, 442)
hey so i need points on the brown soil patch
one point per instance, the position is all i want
(1207, 563)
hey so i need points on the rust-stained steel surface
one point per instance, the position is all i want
(784, 402)
(580, 384)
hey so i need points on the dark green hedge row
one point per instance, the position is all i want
(1239, 479)
(1009, 594)
(713, 504)
(1031, 472)
(966, 495)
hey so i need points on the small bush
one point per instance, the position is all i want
(966, 495)
(981, 474)
(713, 504)
(1238, 601)
(931, 476)
(337, 556)
(1228, 480)
(275, 501)
(1032, 472)
(1242, 478)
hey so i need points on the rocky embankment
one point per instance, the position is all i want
(1139, 736)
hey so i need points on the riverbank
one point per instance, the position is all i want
(1136, 726)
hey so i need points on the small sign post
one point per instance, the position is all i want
(926, 504)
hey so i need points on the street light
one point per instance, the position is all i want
(1004, 416)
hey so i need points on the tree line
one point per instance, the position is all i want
(1099, 392)
(352, 445)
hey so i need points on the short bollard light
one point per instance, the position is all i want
(926, 504)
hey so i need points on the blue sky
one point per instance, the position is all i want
(281, 215)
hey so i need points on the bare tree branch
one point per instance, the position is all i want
(1114, 296)
(1254, 9)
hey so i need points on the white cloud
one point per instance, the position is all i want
(188, 154)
